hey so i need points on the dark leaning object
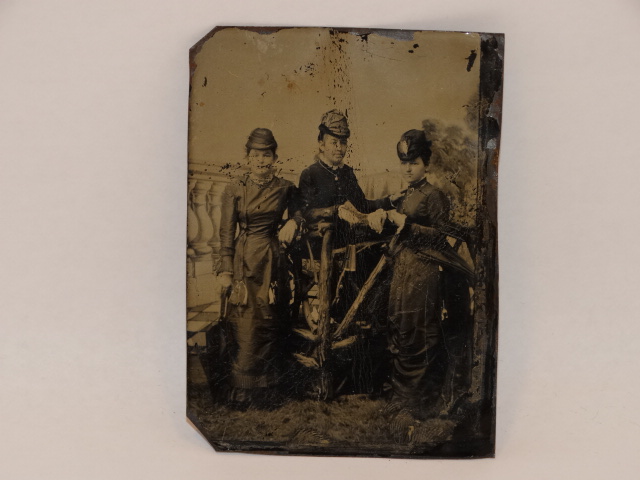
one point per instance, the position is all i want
(333, 397)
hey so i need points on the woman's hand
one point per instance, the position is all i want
(225, 279)
(376, 220)
(288, 232)
(398, 218)
(348, 215)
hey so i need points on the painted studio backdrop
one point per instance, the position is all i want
(325, 321)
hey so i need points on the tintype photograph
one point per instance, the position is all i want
(342, 270)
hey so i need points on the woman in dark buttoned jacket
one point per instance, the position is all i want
(251, 264)
(428, 274)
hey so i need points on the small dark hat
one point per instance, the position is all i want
(261, 139)
(414, 144)
(335, 123)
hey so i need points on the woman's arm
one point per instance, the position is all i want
(426, 227)
(295, 205)
(422, 228)
(304, 193)
(228, 224)
(363, 204)
(288, 232)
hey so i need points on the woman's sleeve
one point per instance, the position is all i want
(294, 204)
(383, 203)
(362, 203)
(433, 215)
(304, 192)
(228, 223)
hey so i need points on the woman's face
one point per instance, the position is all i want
(261, 162)
(414, 170)
(333, 149)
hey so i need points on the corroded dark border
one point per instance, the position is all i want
(482, 443)
(486, 317)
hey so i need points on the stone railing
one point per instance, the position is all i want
(206, 185)
(203, 240)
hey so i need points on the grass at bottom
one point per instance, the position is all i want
(353, 420)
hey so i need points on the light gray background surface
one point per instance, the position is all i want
(93, 122)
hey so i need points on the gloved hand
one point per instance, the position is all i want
(348, 215)
(288, 232)
(376, 220)
(398, 218)
(225, 279)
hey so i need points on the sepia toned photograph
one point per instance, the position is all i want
(356, 240)
(342, 269)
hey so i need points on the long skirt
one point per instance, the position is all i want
(259, 329)
(415, 336)
(430, 334)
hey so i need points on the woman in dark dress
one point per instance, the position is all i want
(252, 265)
(427, 275)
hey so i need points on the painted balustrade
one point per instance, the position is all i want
(203, 239)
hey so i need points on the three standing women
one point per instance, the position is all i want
(430, 359)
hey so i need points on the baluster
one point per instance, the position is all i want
(215, 204)
(205, 226)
